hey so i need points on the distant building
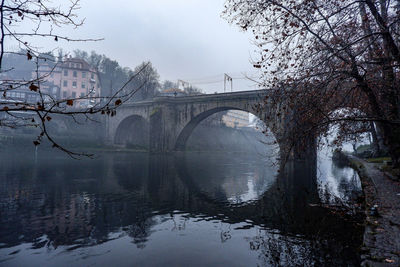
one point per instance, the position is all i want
(71, 78)
(22, 93)
(236, 119)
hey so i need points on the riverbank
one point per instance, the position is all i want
(381, 246)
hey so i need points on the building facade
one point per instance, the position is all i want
(236, 119)
(73, 78)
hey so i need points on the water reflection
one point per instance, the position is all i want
(157, 209)
(338, 181)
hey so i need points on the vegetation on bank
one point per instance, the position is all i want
(381, 209)
(383, 161)
(334, 62)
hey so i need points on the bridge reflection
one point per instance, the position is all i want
(79, 204)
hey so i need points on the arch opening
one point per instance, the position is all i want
(228, 128)
(133, 132)
(336, 178)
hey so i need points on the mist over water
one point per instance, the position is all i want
(166, 209)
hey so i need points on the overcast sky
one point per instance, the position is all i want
(184, 39)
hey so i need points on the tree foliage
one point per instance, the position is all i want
(193, 90)
(323, 56)
(152, 79)
(113, 76)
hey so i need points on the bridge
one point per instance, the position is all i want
(165, 123)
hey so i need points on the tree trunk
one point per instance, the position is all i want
(392, 137)
(381, 139)
(376, 151)
(389, 96)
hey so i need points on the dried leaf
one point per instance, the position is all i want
(70, 102)
(33, 87)
(118, 102)
(29, 55)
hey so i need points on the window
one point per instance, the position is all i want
(75, 73)
(65, 83)
(74, 84)
(73, 94)
(65, 72)
(84, 74)
(82, 94)
(92, 76)
(64, 94)
(83, 85)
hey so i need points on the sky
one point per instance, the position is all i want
(184, 39)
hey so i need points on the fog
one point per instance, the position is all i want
(185, 40)
(96, 171)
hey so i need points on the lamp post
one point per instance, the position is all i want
(227, 78)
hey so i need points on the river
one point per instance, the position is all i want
(183, 209)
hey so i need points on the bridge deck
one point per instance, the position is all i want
(204, 98)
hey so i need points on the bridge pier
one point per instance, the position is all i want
(163, 127)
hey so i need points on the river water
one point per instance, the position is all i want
(183, 209)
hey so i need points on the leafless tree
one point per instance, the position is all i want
(47, 20)
(327, 55)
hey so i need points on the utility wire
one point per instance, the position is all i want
(219, 77)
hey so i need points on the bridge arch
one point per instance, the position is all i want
(188, 129)
(133, 131)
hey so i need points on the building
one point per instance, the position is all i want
(236, 119)
(71, 78)
(20, 92)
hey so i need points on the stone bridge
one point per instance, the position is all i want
(165, 123)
